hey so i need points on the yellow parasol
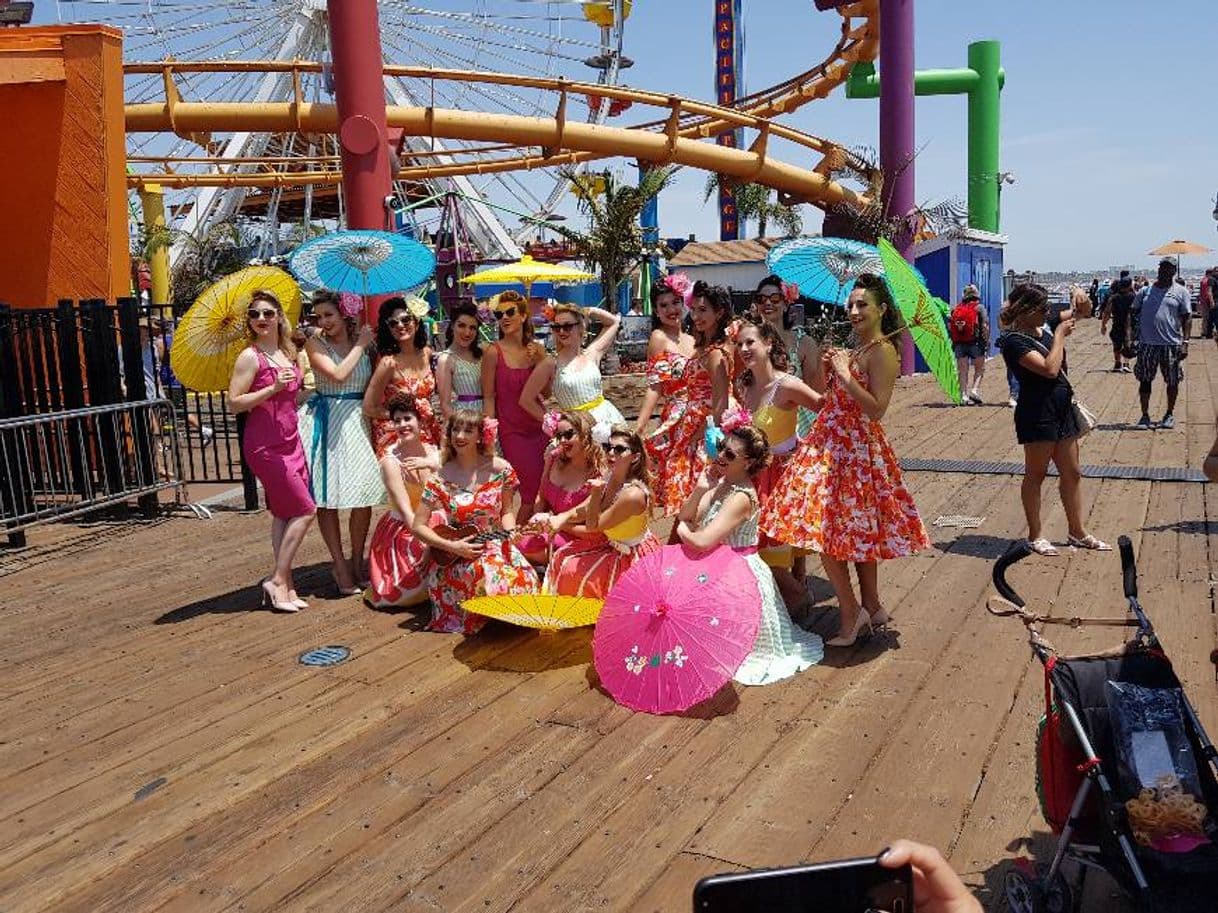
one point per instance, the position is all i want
(212, 332)
(526, 271)
(546, 612)
(1178, 247)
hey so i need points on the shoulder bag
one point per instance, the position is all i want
(1083, 417)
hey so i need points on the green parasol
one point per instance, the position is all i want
(923, 315)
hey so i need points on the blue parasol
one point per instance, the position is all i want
(824, 268)
(363, 262)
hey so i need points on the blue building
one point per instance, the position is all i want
(969, 256)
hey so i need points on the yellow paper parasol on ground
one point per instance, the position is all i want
(212, 332)
(1177, 248)
(543, 611)
(526, 271)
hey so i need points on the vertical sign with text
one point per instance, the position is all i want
(729, 55)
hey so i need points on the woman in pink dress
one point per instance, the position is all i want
(266, 384)
(473, 488)
(842, 494)
(506, 368)
(616, 517)
(398, 562)
(572, 460)
(404, 367)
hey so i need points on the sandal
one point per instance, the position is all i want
(1043, 547)
(1089, 541)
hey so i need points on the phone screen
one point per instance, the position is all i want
(847, 886)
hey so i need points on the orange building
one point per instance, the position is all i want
(63, 193)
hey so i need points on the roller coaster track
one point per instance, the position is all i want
(676, 138)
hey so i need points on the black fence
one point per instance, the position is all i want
(92, 354)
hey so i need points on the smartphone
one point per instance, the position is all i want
(846, 886)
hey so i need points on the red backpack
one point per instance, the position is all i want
(963, 322)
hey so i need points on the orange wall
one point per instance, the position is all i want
(63, 194)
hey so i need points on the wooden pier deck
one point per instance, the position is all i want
(162, 749)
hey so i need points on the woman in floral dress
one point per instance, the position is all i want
(842, 494)
(398, 562)
(404, 367)
(722, 510)
(473, 488)
(700, 389)
(616, 517)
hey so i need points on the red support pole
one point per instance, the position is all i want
(359, 85)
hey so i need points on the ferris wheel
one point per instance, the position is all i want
(581, 41)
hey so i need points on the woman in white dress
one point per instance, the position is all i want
(573, 375)
(459, 367)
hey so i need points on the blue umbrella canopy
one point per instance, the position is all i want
(363, 262)
(824, 268)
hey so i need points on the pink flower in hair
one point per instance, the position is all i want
(680, 284)
(790, 292)
(350, 305)
(490, 431)
(734, 418)
(549, 423)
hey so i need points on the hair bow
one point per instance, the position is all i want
(490, 431)
(602, 431)
(350, 305)
(734, 418)
(549, 423)
(790, 292)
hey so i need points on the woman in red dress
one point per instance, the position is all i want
(842, 493)
(404, 367)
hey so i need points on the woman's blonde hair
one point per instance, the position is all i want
(470, 420)
(581, 422)
(284, 338)
(639, 471)
(756, 446)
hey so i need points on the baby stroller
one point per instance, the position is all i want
(1087, 752)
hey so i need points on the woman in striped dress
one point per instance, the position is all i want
(343, 471)
(459, 367)
(573, 375)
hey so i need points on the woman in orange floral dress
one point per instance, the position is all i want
(404, 367)
(842, 494)
(694, 389)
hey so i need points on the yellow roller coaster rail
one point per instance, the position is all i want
(677, 138)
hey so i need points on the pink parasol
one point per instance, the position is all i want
(676, 627)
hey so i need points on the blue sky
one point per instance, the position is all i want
(1108, 115)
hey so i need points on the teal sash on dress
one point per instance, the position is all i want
(318, 406)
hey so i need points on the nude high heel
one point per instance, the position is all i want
(269, 597)
(862, 620)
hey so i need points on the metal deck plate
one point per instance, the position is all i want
(985, 467)
(325, 656)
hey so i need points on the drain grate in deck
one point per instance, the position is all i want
(985, 467)
(325, 656)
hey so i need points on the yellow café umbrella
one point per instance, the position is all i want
(1178, 247)
(526, 271)
(212, 332)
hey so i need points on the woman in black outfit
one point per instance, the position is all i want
(1044, 417)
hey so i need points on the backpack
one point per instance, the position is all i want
(964, 321)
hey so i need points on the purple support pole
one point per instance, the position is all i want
(897, 135)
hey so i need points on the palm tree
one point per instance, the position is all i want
(753, 203)
(613, 245)
(204, 257)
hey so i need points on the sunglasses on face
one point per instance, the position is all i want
(775, 298)
(505, 313)
(728, 455)
(399, 321)
(564, 436)
(255, 313)
(616, 449)
(564, 327)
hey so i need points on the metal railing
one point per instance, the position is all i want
(67, 463)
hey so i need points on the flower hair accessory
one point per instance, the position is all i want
(602, 431)
(350, 305)
(490, 431)
(735, 418)
(549, 423)
(790, 292)
(417, 307)
(680, 285)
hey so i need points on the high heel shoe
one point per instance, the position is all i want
(269, 598)
(862, 620)
(296, 600)
(879, 618)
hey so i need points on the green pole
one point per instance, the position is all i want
(982, 82)
(984, 105)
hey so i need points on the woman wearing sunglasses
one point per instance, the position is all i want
(266, 383)
(723, 510)
(404, 367)
(615, 516)
(573, 375)
(506, 368)
(572, 460)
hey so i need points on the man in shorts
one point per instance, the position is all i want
(970, 333)
(1160, 316)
